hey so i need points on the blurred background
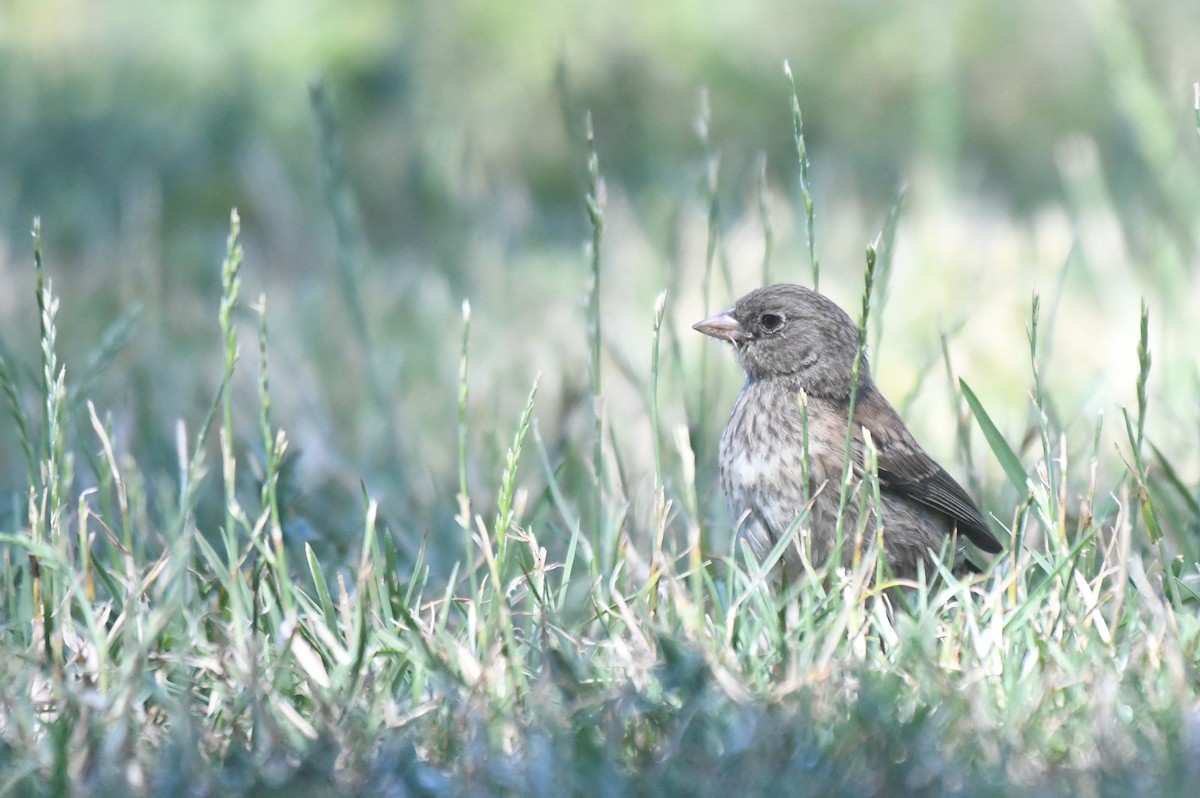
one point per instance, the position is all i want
(391, 159)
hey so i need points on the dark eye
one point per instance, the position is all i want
(771, 321)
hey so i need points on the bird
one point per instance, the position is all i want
(798, 347)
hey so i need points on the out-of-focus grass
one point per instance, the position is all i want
(155, 652)
(456, 111)
(406, 594)
(132, 130)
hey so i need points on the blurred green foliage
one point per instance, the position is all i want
(131, 128)
(444, 106)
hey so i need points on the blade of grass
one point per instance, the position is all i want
(1004, 453)
(595, 201)
(805, 184)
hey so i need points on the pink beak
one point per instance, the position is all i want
(723, 326)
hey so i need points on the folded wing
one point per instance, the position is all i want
(905, 468)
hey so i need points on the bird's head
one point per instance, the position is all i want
(792, 332)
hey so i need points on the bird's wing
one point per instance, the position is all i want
(906, 469)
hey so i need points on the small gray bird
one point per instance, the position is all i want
(792, 341)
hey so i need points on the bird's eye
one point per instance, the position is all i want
(771, 321)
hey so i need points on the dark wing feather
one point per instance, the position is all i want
(940, 492)
(906, 469)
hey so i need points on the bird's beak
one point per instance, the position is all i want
(723, 326)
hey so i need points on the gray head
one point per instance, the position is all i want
(792, 332)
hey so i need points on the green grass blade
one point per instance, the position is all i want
(1004, 453)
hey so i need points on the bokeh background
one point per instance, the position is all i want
(1043, 147)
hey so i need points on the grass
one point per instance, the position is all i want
(583, 640)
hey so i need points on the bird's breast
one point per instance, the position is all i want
(763, 450)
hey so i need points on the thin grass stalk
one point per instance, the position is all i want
(660, 305)
(887, 251)
(274, 447)
(764, 216)
(8, 383)
(49, 505)
(1150, 514)
(712, 165)
(660, 500)
(45, 333)
(859, 356)
(464, 495)
(500, 624)
(367, 598)
(873, 501)
(695, 535)
(1196, 106)
(86, 538)
(241, 607)
(805, 182)
(505, 516)
(1143, 356)
(595, 212)
(1053, 507)
(120, 488)
(714, 254)
(805, 466)
(231, 285)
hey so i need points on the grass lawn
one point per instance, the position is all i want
(528, 585)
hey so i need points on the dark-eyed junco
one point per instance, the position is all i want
(793, 341)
